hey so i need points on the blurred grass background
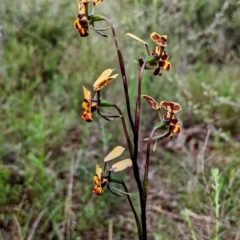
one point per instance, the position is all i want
(43, 65)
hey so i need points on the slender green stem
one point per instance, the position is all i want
(130, 146)
(118, 180)
(123, 73)
(145, 179)
(135, 214)
(136, 138)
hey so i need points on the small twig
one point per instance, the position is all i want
(110, 229)
(69, 201)
(35, 224)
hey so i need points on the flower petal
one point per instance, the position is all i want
(165, 65)
(96, 2)
(119, 166)
(96, 180)
(87, 116)
(82, 7)
(174, 129)
(104, 79)
(116, 152)
(83, 1)
(157, 71)
(98, 172)
(164, 56)
(171, 106)
(98, 190)
(87, 94)
(166, 117)
(82, 27)
(136, 38)
(156, 52)
(160, 40)
(153, 103)
(177, 129)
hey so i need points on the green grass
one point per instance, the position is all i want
(44, 65)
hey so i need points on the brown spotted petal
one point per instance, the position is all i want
(82, 27)
(98, 190)
(160, 40)
(87, 116)
(83, 1)
(157, 71)
(167, 116)
(165, 65)
(171, 106)
(153, 103)
(164, 56)
(82, 7)
(156, 51)
(96, 2)
(88, 105)
(104, 79)
(175, 129)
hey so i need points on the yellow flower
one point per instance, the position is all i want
(88, 105)
(99, 179)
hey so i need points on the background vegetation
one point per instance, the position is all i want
(48, 154)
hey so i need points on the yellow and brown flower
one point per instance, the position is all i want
(169, 117)
(159, 40)
(81, 24)
(160, 55)
(99, 181)
(96, 2)
(88, 105)
(163, 62)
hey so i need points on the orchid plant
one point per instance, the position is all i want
(156, 60)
